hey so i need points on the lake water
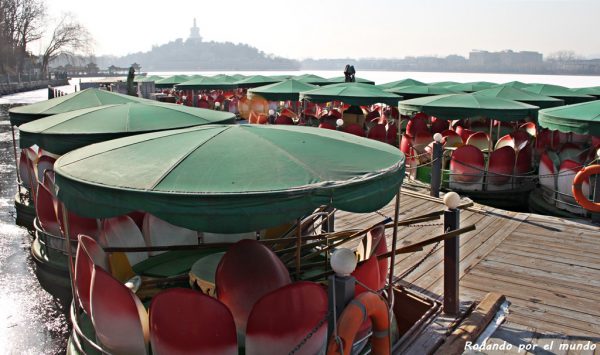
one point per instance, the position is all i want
(31, 321)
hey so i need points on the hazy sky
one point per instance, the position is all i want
(350, 28)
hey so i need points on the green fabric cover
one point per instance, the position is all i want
(140, 79)
(282, 91)
(414, 91)
(208, 83)
(444, 83)
(593, 91)
(473, 86)
(170, 81)
(457, 106)
(512, 93)
(400, 83)
(583, 118)
(312, 79)
(230, 178)
(352, 94)
(255, 81)
(516, 84)
(342, 79)
(64, 132)
(559, 92)
(82, 99)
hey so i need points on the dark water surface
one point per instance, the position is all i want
(31, 320)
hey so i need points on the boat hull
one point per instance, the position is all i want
(537, 204)
(51, 270)
(25, 212)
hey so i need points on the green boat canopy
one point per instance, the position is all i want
(512, 93)
(208, 83)
(559, 92)
(516, 84)
(352, 94)
(64, 132)
(312, 79)
(171, 81)
(230, 178)
(414, 91)
(583, 118)
(593, 91)
(457, 106)
(400, 83)
(82, 99)
(238, 76)
(256, 81)
(444, 83)
(472, 87)
(141, 79)
(282, 91)
(342, 79)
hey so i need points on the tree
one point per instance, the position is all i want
(30, 17)
(563, 56)
(68, 37)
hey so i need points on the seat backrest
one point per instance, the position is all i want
(505, 141)
(439, 125)
(326, 125)
(378, 132)
(355, 129)
(464, 133)
(480, 140)
(281, 319)
(26, 171)
(530, 128)
(45, 211)
(160, 233)
(44, 163)
(119, 318)
(122, 231)
(284, 120)
(416, 125)
(190, 322)
(467, 164)
(248, 271)
(501, 165)
(392, 133)
(88, 254)
(78, 225)
(451, 138)
(524, 162)
(570, 151)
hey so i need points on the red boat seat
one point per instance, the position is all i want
(524, 162)
(505, 141)
(284, 120)
(89, 253)
(26, 170)
(406, 145)
(530, 128)
(570, 151)
(355, 129)
(281, 319)
(44, 163)
(480, 140)
(45, 211)
(463, 132)
(451, 138)
(502, 163)
(183, 321)
(326, 125)
(548, 168)
(416, 125)
(521, 137)
(248, 271)
(122, 231)
(466, 167)
(580, 138)
(564, 181)
(157, 232)
(378, 132)
(78, 225)
(438, 125)
(119, 318)
(421, 140)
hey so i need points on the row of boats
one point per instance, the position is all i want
(136, 204)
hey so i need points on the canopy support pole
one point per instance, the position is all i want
(14, 143)
(393, 257)
(67, 235)
(298, 246)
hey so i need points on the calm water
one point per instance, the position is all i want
(31, 321)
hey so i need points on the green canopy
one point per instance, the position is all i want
(559, 92)
(342, 79)
(230, 178)
(352, 94)
(472, 87)
(444, 83)
(208, 83)
(282, 91)
(457, 106)
(171, 81)
(255, 81)
(140, 79)
(512, 93)
(583, 118)
(414, 91)
(593, 91)
(312, 79)
(64, 132)
(238, 76)
(75, 101)
(515, 84)
(399, 83)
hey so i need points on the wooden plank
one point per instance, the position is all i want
(548, 343)
(558, 316)
(571, 236)
(564, 259)
(473, 325)
(554, 248)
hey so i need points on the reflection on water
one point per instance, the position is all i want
(31, 320)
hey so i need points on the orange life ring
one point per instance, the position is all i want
(367, 304)
(581, 176)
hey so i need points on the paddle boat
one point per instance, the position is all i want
(56, 135)
(569, 143)
(260, 299)
(25, 210)
(488, 145)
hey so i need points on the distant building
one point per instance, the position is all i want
(505, 59)
(195, 32)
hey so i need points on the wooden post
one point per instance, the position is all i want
(298, 246)
(451, 263)
(436, 169)
(50, 92)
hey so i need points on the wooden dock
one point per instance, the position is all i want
(548, 268)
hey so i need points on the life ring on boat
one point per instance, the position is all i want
(581, 176)
(367, 304)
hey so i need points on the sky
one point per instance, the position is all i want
(343, 29)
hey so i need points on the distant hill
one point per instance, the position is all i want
(196, 55)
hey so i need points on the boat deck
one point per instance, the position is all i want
(548, 268)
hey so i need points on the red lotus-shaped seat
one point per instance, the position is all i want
(327, 125)
(451, 138)
(500, 167)
(564, 182)
(122, 231)
(45, 211)
(378, 132)
(416, 125)
(480, 140)
(466, 167)
(355, 129)
(284, 120)
(44, 163)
